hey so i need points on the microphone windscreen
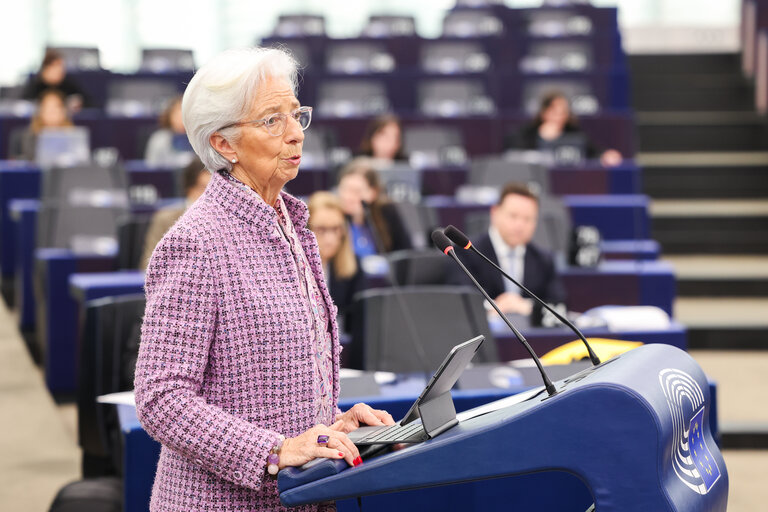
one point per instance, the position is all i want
(441, 241)
(457, 237)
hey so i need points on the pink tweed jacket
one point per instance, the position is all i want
(225, 363)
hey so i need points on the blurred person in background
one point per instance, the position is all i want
(375, 225)
(508, 244)
(53, 75)
(554, 120)
(195, 178)
(340, 266)
(383, 141)
(51, 113)
(169, 145)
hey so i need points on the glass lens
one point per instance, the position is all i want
(275, 124)
(304, 117)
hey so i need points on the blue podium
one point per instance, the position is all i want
(635, 430)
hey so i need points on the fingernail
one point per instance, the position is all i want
(357, 461)
(341, 454)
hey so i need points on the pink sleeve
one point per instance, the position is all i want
(179, 325)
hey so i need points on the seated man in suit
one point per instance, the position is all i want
(508, 244)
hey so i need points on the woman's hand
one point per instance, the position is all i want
(361, 414)
(303, 448)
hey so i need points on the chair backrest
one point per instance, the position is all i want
(83, 229)
(472, 23)
(558, 23)
(454, 57)
(418, 267)
(401, 182)
(557, 57)
(161, 60)
(300, 51)
(131, 234)
(134, 97)
(355, 57)
(389, 26)
(86, 184)
(62, 147)
(497, 171)
(109, 342)
(299, 25)
(79, 58)
(554, 230)
(452, 97)
(411, 329)
(419, 220)
(434, 145)
(346, 98)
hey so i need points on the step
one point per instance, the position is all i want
(710, 226)
(744, 436)
(705, 181)
(727, 63)
(701, 131)
(724, 323)
(721, 275)
(683, 98)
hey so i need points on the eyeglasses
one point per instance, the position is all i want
(328, 230)
(276, 123)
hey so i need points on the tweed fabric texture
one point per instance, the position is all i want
(227, 348)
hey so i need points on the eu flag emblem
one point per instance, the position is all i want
(700, 455)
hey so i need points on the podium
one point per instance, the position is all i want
(634, 429)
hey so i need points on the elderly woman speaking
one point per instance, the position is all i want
(237, 375)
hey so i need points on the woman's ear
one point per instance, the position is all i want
(222, 146)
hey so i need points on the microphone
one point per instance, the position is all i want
(444, 244)
(460, 239)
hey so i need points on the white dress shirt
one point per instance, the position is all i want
(511, 260)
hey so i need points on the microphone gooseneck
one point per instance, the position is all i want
(460, 239)
(444, 244)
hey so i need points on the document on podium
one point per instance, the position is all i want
(498, 404)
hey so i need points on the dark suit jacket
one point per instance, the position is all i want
(539, 274)
(343, 290)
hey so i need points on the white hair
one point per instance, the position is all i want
(222, 92)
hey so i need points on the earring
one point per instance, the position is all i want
(234, 160)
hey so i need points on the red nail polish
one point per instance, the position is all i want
(341, 454)
(357, 461)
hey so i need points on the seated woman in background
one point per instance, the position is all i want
(195, 177)
(553, 121)
(51, 113)
(375, 225)
(383, 140)
(169, 145)
(53, 75)
(340, 266)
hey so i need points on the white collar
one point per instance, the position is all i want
(500, 247)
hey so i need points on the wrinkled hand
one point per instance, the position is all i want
(303, 448)
(361, 414)
(513, 303)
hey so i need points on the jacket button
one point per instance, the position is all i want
(237, 475)
(199, 462)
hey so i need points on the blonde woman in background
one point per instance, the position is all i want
(340, 266)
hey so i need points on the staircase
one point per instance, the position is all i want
(704, 153)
